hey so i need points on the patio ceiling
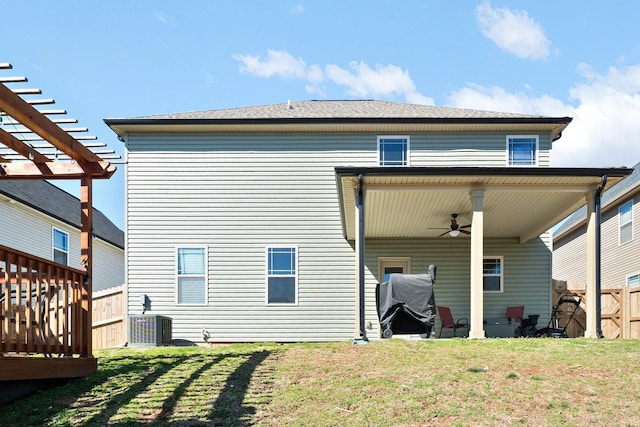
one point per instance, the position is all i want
(413, 202)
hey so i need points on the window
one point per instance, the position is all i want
(625, 213)
(191, 276)
(633, 280)
(282, 278)
(393, 150)
(492, 274)
(522, 150)
(389, 265)
(60, 247)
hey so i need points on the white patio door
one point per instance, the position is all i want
(388, 265)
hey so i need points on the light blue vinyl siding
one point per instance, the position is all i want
(527, 277)
(236, 194)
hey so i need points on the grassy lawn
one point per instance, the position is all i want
(535, 382)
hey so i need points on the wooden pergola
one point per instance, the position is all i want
(46, 307)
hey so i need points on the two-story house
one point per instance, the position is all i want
(50, 218)
(620, 259)
(276, 222)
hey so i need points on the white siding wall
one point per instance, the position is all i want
(30, 231)
(236, 194)
(617, 261)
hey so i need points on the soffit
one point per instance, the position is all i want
(122, 128)
(420, 206)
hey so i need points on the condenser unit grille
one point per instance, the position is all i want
(149, 330)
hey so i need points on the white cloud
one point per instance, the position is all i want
(359, 80)
(297, 9)
(494, 98)
(384, 81)
(163, 17)
(513, 31)
(278, 63)
(605, 110)
(209, 79)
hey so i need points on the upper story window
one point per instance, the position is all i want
(282, 275)
(492, 274)
(192, 278)
(522, 150)
(633, 280)
(393, 150)
(625, 213)
(60, 247)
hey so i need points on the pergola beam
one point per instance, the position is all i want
(56, 170)
(25, 150)
(26, 114)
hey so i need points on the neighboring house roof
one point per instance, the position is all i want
(341, 112)
(57, 203)
(628, 185)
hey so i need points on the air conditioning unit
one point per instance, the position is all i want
(149, 330)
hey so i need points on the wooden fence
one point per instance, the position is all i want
(108, 318)
(620, 310)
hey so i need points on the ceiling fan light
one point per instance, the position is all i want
(454, 233)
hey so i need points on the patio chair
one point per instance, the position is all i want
(515, 314)
(447, 321)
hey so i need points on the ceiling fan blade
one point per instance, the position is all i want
(465, 231)
(465, 226)
(445, 233)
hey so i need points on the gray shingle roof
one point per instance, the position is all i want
(627, 185)
(337, 109)
(57, 203)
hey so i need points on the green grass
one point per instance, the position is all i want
(458, 382)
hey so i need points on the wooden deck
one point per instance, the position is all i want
(45, 322)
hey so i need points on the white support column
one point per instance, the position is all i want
(476, 329)
(591, 327)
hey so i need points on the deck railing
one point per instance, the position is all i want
(43, 307)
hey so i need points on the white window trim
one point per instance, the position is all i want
(407, 137)
(620, 242)
(404, 262)
(206, 276)
(266, 276)
(626, 283)
(53, 243)
(501, 258)
(536, 163)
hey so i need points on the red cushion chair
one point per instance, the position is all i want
(447, 321)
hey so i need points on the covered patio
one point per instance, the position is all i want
(519, 203)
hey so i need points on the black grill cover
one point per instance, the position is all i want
(406, 303)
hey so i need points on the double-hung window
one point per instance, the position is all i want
(60, 247)
(492, 274)
(282, 275)
(625, 213)
(192, 279)
(522, 150)
(393, 150)
(633, 280)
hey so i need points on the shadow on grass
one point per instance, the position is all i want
(148, 389)
(229, 407)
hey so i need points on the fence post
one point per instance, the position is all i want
(625, 324)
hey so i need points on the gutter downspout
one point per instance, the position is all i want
(598, 256)
(360, 205)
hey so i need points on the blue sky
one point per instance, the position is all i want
(133, 58)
